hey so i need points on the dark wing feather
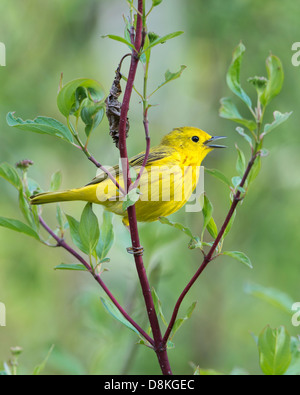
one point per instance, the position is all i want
(137, 160)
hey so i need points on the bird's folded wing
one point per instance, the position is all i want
(137, 161)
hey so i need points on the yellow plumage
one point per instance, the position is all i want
(170, 176)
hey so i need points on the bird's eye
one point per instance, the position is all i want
(195, 139)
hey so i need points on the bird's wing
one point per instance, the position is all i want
(154, 156)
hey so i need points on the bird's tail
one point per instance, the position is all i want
(85, 194)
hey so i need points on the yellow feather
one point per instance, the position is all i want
(170, 176)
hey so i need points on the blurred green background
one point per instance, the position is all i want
(45, 307)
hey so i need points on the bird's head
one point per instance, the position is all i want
(192, 142)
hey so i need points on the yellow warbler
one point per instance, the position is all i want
(167, 182)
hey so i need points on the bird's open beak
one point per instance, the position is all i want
(212, 139)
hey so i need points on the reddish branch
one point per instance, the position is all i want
(236, 199)
(159, 347)
(63, 244)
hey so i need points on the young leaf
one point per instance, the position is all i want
(236, 181)
(239, 256)
(74, 92)
(275, 79)
(131, 198)
(18, 226)
(42, 125)
(157, 305)
(38, 369)
(219, 175)
(233, 75)
(230, 223)
(55, 181)
(91, 115)
(114, 312)
(279, 118)
(106, 238)
(11, 175)
(74, 231)
(242, 133)
(241, 162)
(255, 170)
(156, 2)
(171, 76)
(162, 40)
(26, 210)
(228, 110)
(120, 39)
(274, 347)
(176, 225)
(209, 222)
(89, 229)
(180, 321)
(71, 266)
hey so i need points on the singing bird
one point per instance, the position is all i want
(167, 182)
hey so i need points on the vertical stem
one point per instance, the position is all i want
(159, 347)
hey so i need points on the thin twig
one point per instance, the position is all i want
(208, 258)
(63, 244)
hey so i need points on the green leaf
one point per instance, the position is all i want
(209, 222)
(219, 175)
(294, 368)
(239, 256)
(10, 174)
(156, 2)
(71, 266)
(228, 110)
(158, 307)
(42, 125)
(274, 347)
(275, 79)
(18, 226)
(241, 162)
(59, 216)
(180, 321)
(254, 172)
(55, 181)
(26, 210)
(106, 238)
(279, 118)
(89, 229)
(162, 40)
(39, 368)
(233, 75)
(230, 223)
(236, 181)
(272, 296)
(74, 231)
(259, 83)
(176, 225)
(120, 39)
(114, 312)
(131, 198)
(243, 134)
(75, 92)
(91, 115)
(172, 76)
